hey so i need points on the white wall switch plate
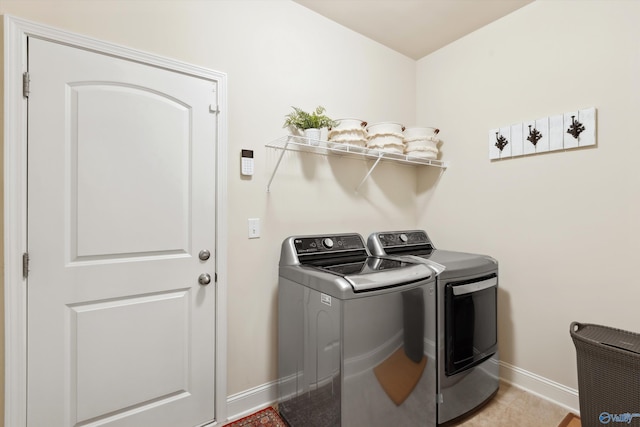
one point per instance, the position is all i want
(254, 228)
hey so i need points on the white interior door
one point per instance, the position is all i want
(121, 200)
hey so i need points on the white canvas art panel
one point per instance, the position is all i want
(588, 135)
(556, 133)
(569, 140)
(506, 150)
(517, 144)
(494, 151)
(529, 148)
(542, 127)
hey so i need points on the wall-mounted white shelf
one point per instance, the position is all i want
(328, 148)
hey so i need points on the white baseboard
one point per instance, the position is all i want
(249, 401)
(540, 386)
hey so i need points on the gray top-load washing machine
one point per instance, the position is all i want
(466, 323)
(356, 340)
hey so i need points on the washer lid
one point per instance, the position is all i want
(341, 265)
(370, 273)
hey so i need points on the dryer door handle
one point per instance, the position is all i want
(475, 286)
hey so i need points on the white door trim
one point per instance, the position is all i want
(16, 31)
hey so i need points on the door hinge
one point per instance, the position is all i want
(25, 265)
(25, 84)
(215, 277)
(440, 399)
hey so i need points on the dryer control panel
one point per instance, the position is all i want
(403, 238)
(408, 242)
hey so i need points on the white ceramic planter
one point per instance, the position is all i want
(313, 135)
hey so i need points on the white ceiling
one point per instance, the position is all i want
(414, 28)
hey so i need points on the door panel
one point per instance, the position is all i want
(121, 195)
(137, 347)
(136, 213)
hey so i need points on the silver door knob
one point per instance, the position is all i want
(204, 255)
(204, 279)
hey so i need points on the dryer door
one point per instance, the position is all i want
(471, 323)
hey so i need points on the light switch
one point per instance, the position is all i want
(254, 228)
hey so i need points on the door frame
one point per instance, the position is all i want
(16, 31)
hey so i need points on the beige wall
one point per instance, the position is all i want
(563, 225)
(276, 54)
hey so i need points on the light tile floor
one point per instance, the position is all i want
(515, 407)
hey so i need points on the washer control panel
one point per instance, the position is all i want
(345, 242)
(403, 238)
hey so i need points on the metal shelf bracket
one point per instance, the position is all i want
(369, 173)
(327, 148)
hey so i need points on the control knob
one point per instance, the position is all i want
(327, 243)
(403, 238)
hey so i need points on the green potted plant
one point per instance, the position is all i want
(309, 123)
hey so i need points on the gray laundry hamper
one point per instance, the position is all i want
(608, 375)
